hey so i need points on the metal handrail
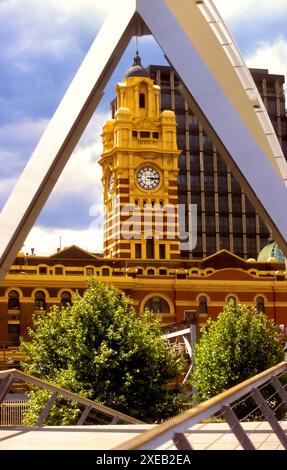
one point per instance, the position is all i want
(8, 376)
(217, 24)
(157, 436)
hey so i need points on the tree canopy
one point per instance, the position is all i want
(98, 347)
(239, 344)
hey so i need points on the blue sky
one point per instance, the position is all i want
(42, 45)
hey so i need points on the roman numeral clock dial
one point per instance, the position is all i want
(148, 177)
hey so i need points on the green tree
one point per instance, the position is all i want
(239, 344)
(100, 349)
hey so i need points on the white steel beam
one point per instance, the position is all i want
(216, 92)
(217, 85)
(64, 131)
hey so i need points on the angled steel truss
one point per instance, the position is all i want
(178, 430)
(7, 377)
(217, 86)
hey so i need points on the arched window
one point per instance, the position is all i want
(142, 100)
(66, 299)
(260, 305)
(150, 248)
(202, 304)
(157, 305)
(150, 272)
(40, 300)
(232, 300)
(13, 300)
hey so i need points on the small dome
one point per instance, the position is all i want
(123, 111)
(109, 125)
(137, 70)
(168, 113)
(110, 122)
(271, 253)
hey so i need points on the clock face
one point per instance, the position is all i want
(111, 183)
(148, 177)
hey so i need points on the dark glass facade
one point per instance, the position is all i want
(226, 218)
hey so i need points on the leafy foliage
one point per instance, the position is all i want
(239, 344)
(99, 348)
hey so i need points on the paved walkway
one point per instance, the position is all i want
(213, 436)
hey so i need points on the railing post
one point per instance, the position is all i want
(181, 442)
(46, 410)
(279, 389)
(236, 428)
(5, 386)
(115, 419)
(268, 413)
(84, 416)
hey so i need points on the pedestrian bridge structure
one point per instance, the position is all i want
(217, 424)
(217, 86)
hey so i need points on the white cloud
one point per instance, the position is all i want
(27, 130)
(6, 186)
(80, 5)
(82, 174)
(49, 27)
(15, 138)
(272, 56)
(45, 241)
(81, 179)
(236, 11)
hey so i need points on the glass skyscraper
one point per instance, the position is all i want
(225, 217)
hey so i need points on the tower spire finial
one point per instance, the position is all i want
(137, 70)
(137, 60)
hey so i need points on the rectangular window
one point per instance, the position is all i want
(150, 248)
(162, 272)
(135, 134)
(42, 270)
(162, 251)
(90, 271)
(155, 135)
(223, 203)
(138, 250)
(238, 245)
(165, 100)
(237, 225)
(14, 335)
(144, 135)
(59, 271)
(210, 245)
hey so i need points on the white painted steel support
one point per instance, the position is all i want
(218, 87)
(156, 437)
(267, 412)
(5, 385)
(236, 428)
(280, 390)
(64, 131)
(181, 442)
(84, 416)
(47, 409)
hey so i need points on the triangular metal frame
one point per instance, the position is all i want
(217, 85)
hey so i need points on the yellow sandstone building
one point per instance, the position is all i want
(140, 169)
(141, 236)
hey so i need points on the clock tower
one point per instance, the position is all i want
(140, 169)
